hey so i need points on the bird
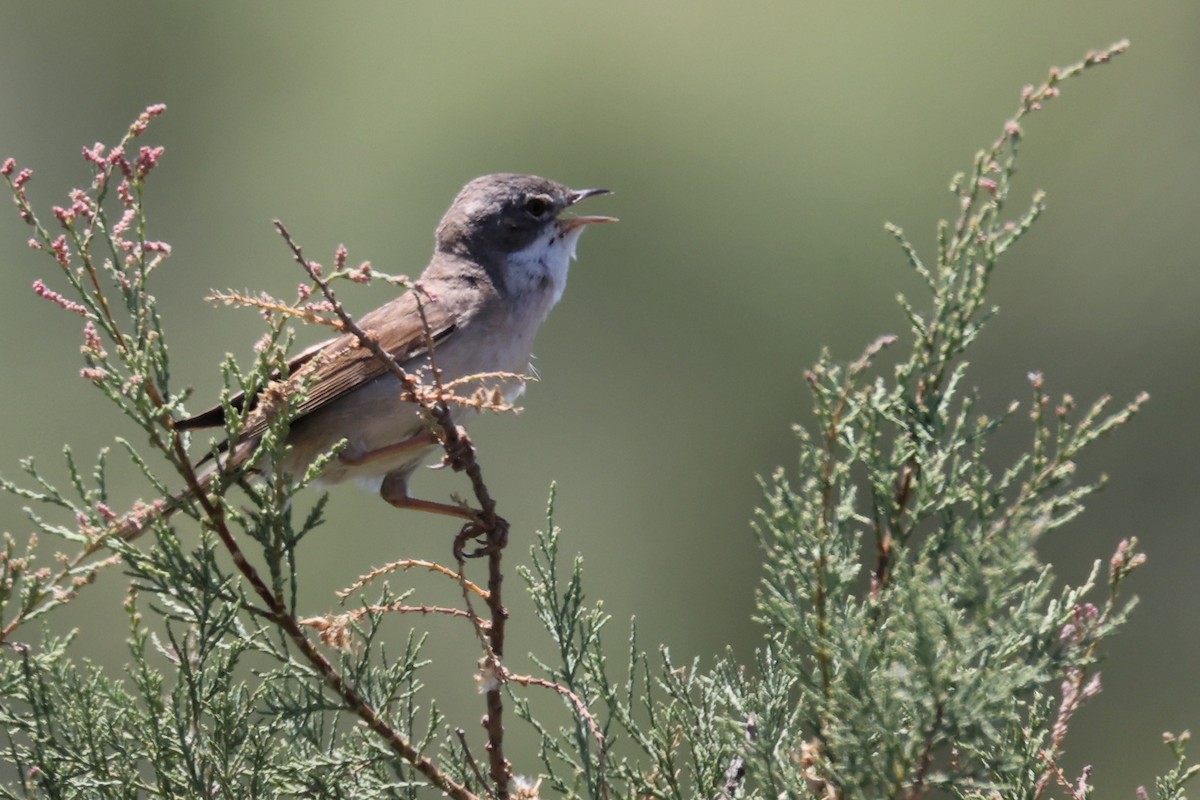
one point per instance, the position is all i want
(500, 262)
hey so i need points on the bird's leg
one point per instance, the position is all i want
(395, 490)
(420, 441)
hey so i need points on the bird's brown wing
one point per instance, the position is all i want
(341, 365)
(215, 416)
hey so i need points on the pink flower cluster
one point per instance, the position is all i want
(18, 184)
(91, 341)
(144, 118)
(45, 292)
(147, 159)
(360, 275)
(82, 206)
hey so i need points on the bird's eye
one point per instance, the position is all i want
(537, 206)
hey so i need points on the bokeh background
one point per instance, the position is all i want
(755, 150)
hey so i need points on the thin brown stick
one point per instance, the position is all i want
(492, 669)
(403, 608)
(577, 701)
(405, 564)
(501, 769)
(462, 454)
(471, 762)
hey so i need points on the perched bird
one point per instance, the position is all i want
(500, 264)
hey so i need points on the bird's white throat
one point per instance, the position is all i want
(541, 268)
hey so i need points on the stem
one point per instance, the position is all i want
(459, 448)
(494, 721)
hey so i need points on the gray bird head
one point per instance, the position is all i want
(501, 214)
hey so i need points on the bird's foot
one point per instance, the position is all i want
(492, 539)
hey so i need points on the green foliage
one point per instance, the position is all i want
(192, 718)
(914, 643)
(913, 639)
(224, 695)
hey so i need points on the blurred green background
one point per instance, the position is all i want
(755, 151)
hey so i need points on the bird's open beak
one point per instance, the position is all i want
(571, 223)
(568, 224)
(584, 194)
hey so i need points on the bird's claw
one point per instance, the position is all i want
(494, 538)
